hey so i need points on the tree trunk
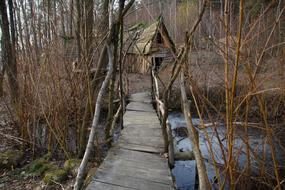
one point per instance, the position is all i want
(10, 54)
(105, 14)
(87, 64)
(112, 89)
(116, 30)
(110, 50)
(121, 83)
(35, 37)
(12, 26)
(2, 62)
(194, 138)
(88, 22)
(78, 30)
(71, 18)
(62, 22)
(82, 168)
(94, 86)
(20, 32)
(26, 24)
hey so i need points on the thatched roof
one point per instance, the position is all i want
(139, 38)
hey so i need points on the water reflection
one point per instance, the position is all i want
(185, 171)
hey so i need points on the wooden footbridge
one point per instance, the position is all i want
(136, 161)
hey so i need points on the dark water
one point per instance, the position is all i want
(184, 172)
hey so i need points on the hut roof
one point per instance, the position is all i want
(139, 38)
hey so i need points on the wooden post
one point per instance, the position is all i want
(170, 146)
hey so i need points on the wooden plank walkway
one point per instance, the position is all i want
(135, 162)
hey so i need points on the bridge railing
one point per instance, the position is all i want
(162, 112)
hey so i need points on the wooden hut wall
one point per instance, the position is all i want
(145, 65)
(137, 64)
(130, 63)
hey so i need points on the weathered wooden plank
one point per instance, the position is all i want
(132, 115)
(134, 156)
(140, 106)
(148, 174)
(142, 148)
(155, 126)
(141, 97)
(143, 131)
(137, 157)
(156, 170)
(131, 181)
(105, 186)
(146, 141)
(135, 162)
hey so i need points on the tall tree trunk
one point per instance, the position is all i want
(87, 64)
(94, 85)
(10, 53)
(2, 62)
(55, 20)
(20, 31)
(121, 84)
(35, 37)
(71, 18)
(110, 117)
(110, 50)
(194, 137)
(105, 14)
(82, 168)
(62, 22)
(26, 25)
(78, 30)
(48, 24)
(221, 15)
(204, 183)
(12, 25)
(112, 89)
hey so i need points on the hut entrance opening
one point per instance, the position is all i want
(157, 63)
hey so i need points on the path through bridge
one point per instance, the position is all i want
(135, 162)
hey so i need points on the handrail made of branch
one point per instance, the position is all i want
(166, 130)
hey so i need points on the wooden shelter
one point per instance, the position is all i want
(147, 47)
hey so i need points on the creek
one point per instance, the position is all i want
(184, 171)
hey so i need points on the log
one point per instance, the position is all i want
(171, 156)
(184, 156)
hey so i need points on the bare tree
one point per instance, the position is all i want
(110, 46)
(10, 56)
(86, 61)
(2, 65)
(35, 36)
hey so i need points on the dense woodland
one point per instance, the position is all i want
(64, 88)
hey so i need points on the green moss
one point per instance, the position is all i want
(10, 158)
(72, 166)
(37, 167)
(47, 156)
(57, 175)
(71, 163)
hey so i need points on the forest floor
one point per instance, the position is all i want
(10, 178)
(20, 176)
(8, 134)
